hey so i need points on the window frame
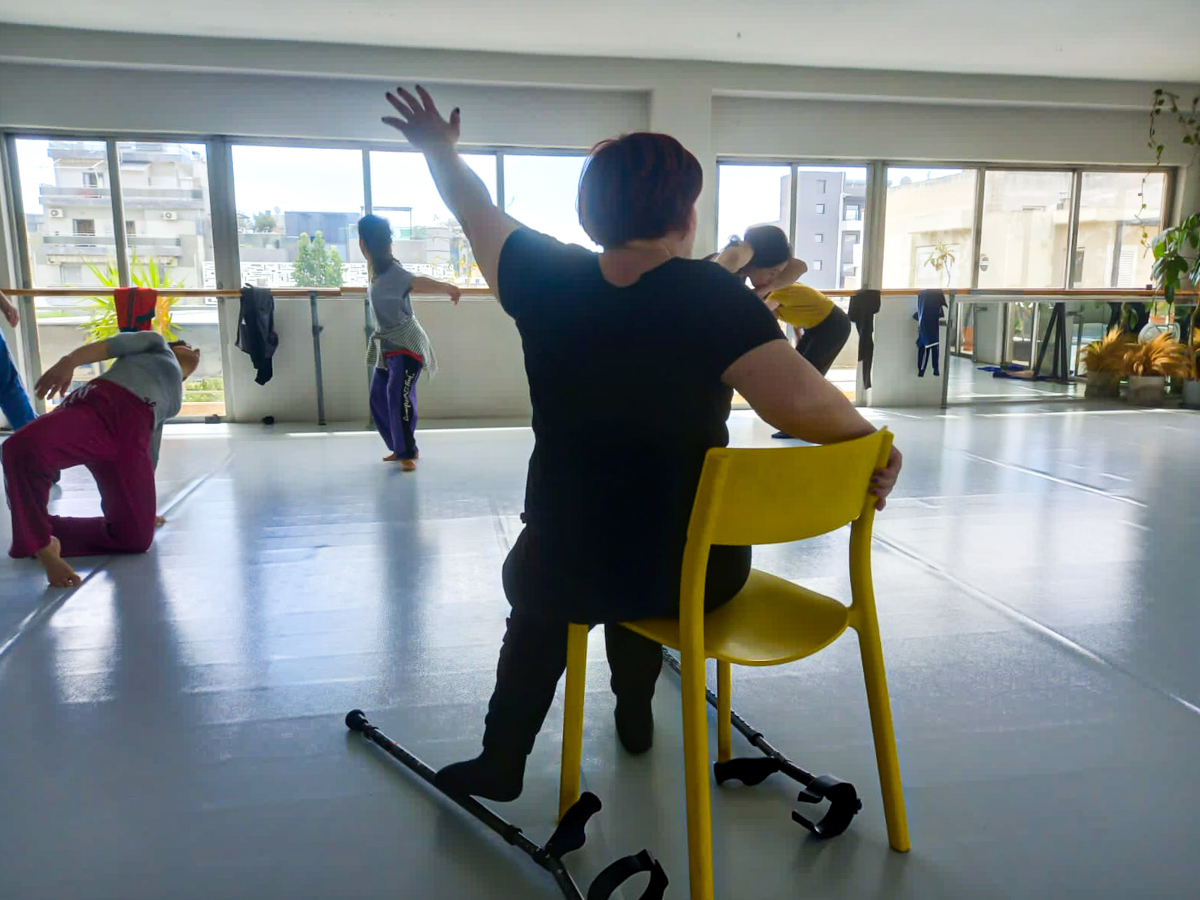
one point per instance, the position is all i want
(874, 209)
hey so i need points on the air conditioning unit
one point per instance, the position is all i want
(55, 213)
(170, 215)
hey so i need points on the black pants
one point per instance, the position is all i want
(534, 656)
(821, 344)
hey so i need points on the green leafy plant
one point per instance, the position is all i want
(147, 273)
(1177, 250)
(942, 260)
(1186, 117)
(1176, 255)
(316, 264)
(264, 221)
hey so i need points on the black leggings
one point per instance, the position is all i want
(534, 656)
(821, 344)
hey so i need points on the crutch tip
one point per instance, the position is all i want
(356, 720)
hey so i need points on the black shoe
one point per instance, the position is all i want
(635, 727)
(783, 436)
(489, 775)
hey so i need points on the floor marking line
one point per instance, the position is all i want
(43, 612)
(1031, 623)
(1067, 482)
(192, 486)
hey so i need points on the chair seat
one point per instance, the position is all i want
(771, 621)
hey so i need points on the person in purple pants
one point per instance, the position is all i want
(399, 349)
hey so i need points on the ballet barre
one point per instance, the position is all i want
(313, 295)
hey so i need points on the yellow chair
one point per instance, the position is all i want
(760, 496)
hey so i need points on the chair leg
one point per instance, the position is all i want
(885, 736)
(724, 711)
(695, 767)
(572, 744)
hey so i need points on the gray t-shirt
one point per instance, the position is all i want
(389, 296)
(144, 365)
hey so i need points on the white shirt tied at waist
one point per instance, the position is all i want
(408, 336)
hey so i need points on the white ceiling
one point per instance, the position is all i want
(1082, 38)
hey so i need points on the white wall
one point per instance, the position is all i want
(203, 103)
(482, 373)
(61, 79)
(840, 129)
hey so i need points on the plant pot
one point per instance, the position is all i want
(1191, 393)
(1147, 390)
(1101, 385)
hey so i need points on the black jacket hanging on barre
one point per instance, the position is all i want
(863, 307)
(256, 330)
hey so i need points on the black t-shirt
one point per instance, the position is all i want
(627, 399)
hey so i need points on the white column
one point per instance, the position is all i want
(684, 111)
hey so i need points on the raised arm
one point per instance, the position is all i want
(791, 395)
(486, 226)
(57, 379)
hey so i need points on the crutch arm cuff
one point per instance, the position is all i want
(623, 869)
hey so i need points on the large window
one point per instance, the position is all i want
(297, 214)
(752, 195)
(928, 228)
(68, 216)
(830, 240)
(1026, 220)
(66, 194)
(427, 239)
(541, 191)
(1115, 210)
(829, 200)
(168, 235)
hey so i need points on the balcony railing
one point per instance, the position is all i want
(51, 191)
(107, 240)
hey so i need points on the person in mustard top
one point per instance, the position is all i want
(764, 257)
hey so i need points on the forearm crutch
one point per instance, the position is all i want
(844, 803)
(568, 836)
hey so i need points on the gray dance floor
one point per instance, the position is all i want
(173, 728)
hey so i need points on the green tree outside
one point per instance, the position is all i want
(317, 264)
(264, 222)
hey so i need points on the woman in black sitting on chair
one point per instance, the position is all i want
(632, 356)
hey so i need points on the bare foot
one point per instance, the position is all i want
(59, 573)
(391, 457)
(408, 465)
(160, 521)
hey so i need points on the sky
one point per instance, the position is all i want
(539, 190)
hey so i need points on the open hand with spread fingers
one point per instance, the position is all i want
(419, 120)
(56, 380)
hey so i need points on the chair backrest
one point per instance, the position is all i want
(774, 495)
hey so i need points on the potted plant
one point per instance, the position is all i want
(942, 260)
(1191, 384)
(1149, 365)
(1105, 363)
(1177, 250)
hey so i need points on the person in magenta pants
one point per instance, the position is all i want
(112, 425)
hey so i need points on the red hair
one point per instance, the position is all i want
(639, 186)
